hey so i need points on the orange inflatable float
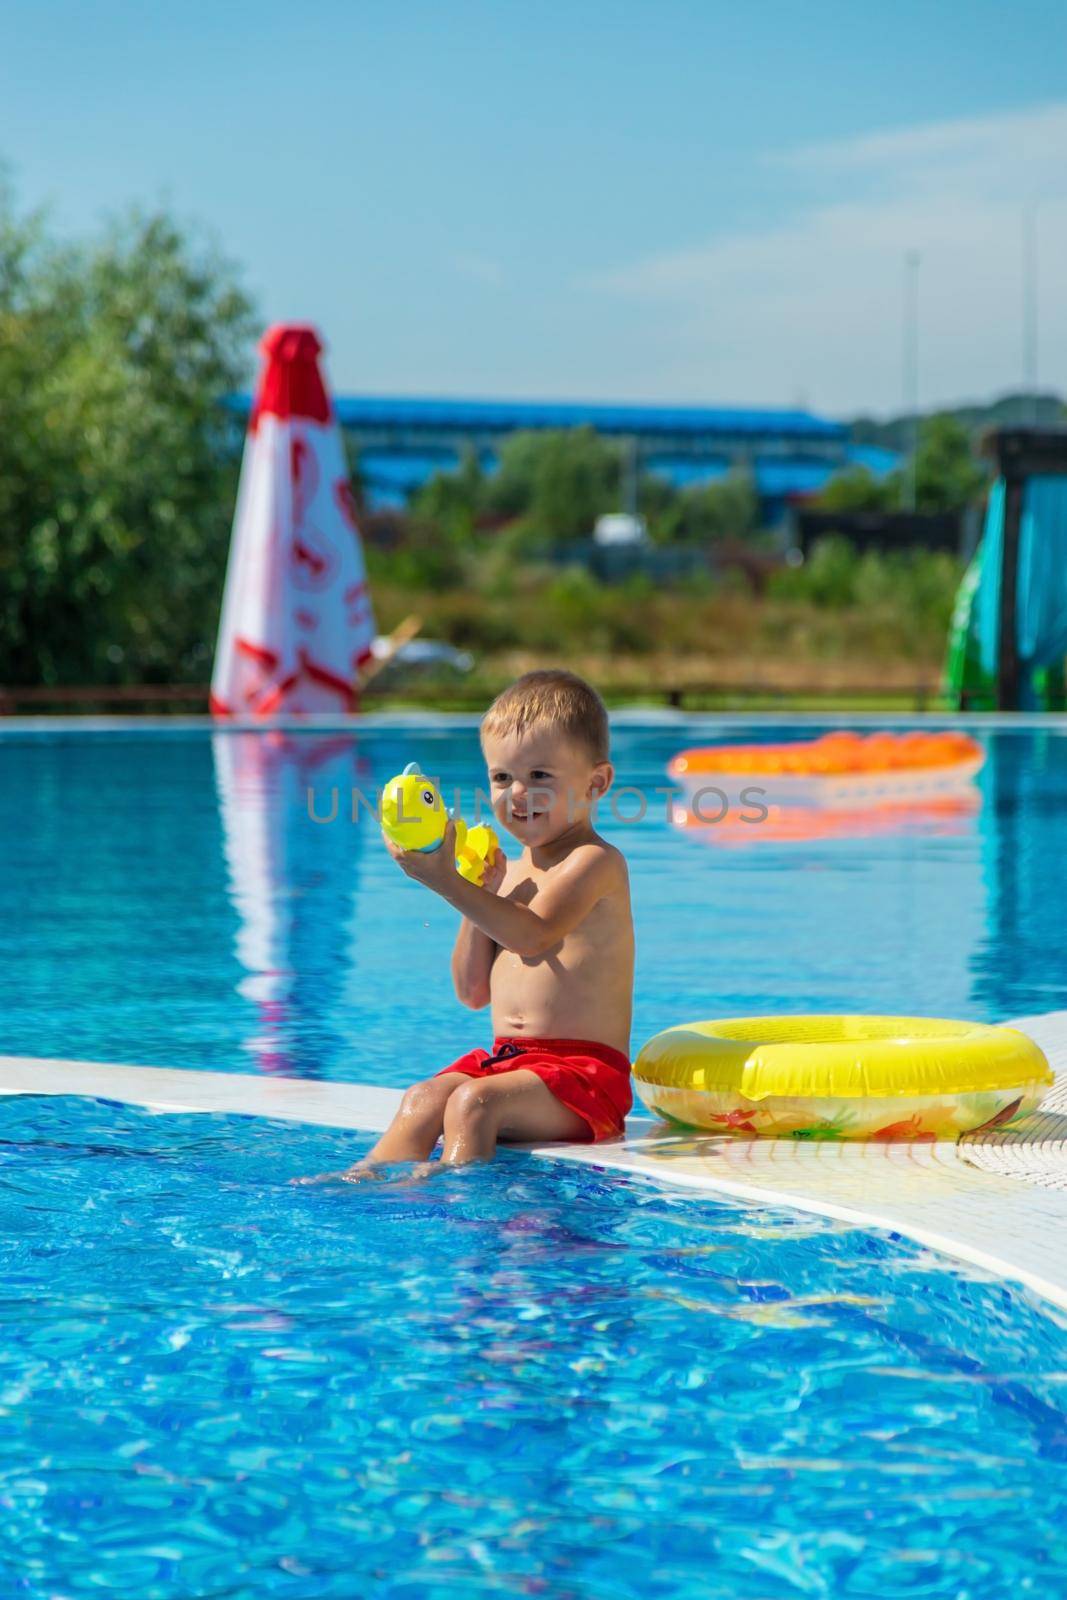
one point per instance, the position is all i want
(839, 770)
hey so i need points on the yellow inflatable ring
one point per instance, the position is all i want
(829, 1077)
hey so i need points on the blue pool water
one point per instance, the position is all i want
(504, 1380)
(517, 1379)
(165, 898)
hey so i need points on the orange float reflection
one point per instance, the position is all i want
(844, 785)
(947, 815)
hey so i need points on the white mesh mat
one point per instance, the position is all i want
(1034, 1149)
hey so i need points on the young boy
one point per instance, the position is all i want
(547, 942)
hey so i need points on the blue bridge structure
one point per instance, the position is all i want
(398, 443)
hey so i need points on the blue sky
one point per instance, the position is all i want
(677, 201)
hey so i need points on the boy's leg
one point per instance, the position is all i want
(515, 1105)
(412, 1133)
(418, 1124)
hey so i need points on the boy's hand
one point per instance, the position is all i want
(435, 868)
(494, 871)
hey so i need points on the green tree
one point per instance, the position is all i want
(451, 501)
(559, 483)
(726, 509)
(117, 465)
(947, 476)
(857, 489)
(657, 499)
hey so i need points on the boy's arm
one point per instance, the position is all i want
(474, 952)
(585, 877)
(472, 961)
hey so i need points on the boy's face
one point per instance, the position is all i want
(542, 783)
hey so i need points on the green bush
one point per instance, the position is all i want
(117, 468)
(826, 578)
(423, 561)
(916, 588)
(570, 608)
(466, 620)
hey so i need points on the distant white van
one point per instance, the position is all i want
(619, 527)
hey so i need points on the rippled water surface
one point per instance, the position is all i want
(521, 1379)
(165, 898)
(506, 1380)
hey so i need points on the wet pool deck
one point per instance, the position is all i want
(997, 1201)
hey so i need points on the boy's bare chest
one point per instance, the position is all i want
(604, 926)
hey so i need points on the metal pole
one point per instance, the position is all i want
(1030, 308)
(911, 370)
(629, 476)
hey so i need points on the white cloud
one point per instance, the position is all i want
(1018, 151)
(813, 305)
(479, 268)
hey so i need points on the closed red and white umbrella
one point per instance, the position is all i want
(297, 622)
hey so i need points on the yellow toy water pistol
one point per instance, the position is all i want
(415, 817)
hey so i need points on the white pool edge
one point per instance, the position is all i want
(637, 715)
(884, 1222)
(929, 1194)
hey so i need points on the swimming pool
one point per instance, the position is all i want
(511, 1380)
(166, 899)
(520, 1379)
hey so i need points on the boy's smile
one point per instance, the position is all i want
(541, 783)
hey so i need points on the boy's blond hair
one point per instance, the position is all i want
(551, 699)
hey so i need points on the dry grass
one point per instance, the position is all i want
(665, 641)
(752, 673)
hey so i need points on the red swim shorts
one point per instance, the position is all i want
(591, 1079)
